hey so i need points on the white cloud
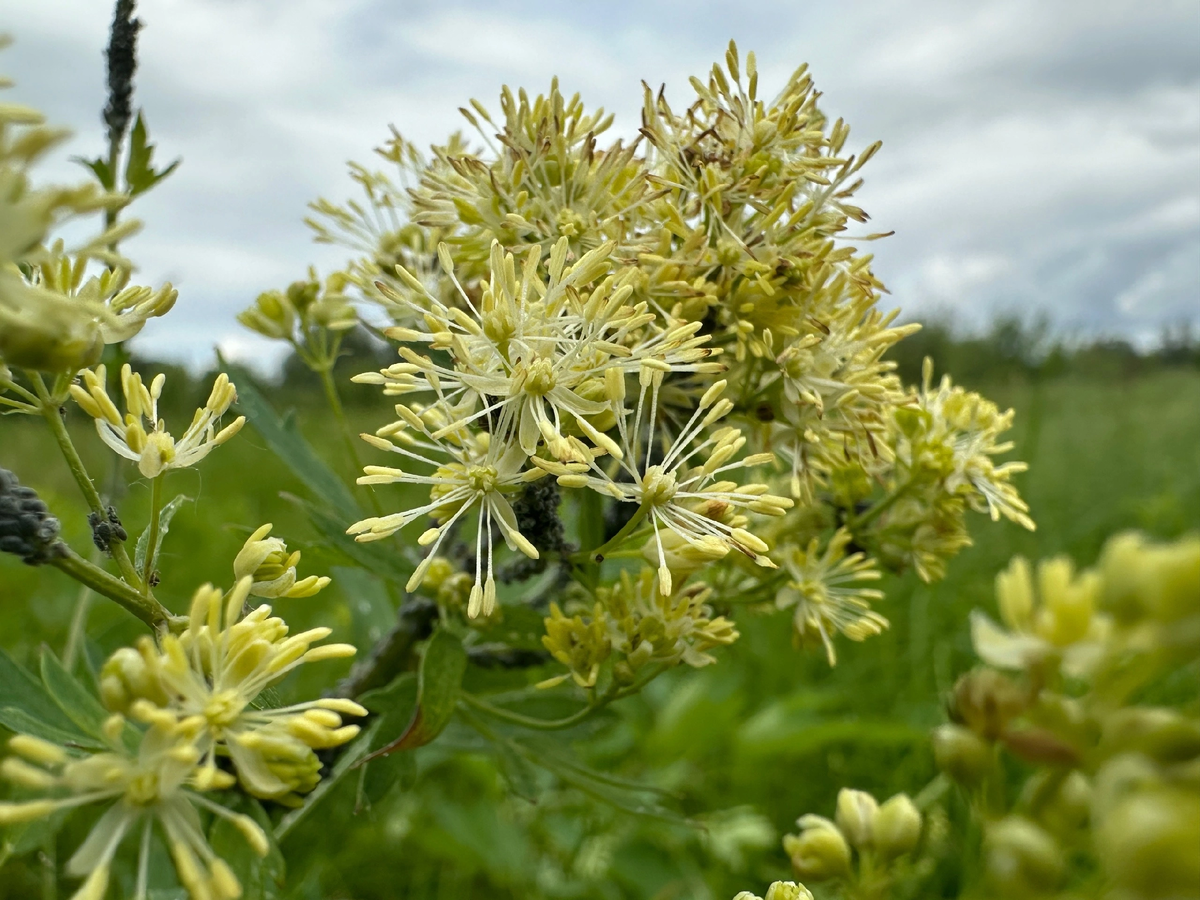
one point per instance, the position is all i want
(1036, 156)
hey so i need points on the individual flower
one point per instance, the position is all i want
(272, 570)
(125, 308)
(1056, 619)
(214, 672)
(672, 489)
(827, 593)
(475, 471)
(154, 784)
(150, 445)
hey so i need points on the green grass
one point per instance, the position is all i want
(767, 728)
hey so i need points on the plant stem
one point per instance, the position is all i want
(145, 608)
(854, 523)
(597, 555)
(507, 715)
(155, 529)
(50, 412)
(516, 718)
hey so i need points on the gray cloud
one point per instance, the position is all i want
(1037, 156)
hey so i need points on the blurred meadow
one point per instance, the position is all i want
(732, 753)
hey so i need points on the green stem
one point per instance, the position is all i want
(597, 555)
(50, 412)
(155, 529)
(145, 608)
(612, 694)
(516, 718)
(855, 523)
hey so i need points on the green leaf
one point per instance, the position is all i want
(140, 174)
(164, 525)
(26, 707)
(631, 800)
(100, 168)
(19, 721)
(80, 705)
(286, 442)
(440, 679)
(395, 705)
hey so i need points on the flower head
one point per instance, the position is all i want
(827, 593)
(950, 437)
(531, 357)
(272, 569)
(675, 491)
(156, 783)
(647, 626)
(474, 471)
(141, 435)
(213, 674)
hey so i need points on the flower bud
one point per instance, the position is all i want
(819, 852)
(273, 570)
(897, 826)
(961, 754)
(1022, 859)
(787, 890)
(856, 812)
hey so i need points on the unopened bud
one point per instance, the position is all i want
(985, 701)
(819, 852)
(897, 826)
(855, 814)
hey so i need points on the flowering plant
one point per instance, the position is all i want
(641, 394)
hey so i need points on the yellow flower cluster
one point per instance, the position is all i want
(634, 620)
(650, 322)
(213, 673)
(1113, 796)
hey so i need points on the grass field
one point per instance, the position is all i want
(764, 736)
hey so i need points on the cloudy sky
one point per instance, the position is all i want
(1038, 155)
